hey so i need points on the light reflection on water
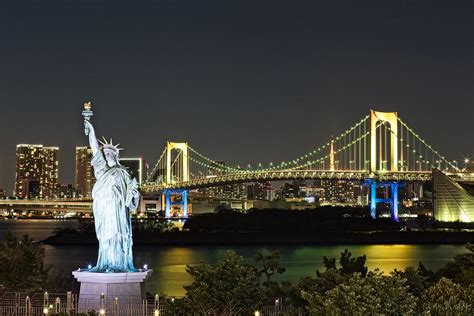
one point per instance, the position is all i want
(169, 263)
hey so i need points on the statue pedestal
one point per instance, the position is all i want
(111, 291)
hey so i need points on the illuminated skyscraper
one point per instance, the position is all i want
(28, 168)
(134, 167)
(84, 173)
(37, 171)
(339, 190)
(50, 175)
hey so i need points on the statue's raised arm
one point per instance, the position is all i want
(89, 131)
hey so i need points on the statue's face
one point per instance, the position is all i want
(111, 158)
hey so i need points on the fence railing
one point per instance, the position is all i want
(62, 304)
(21, 304)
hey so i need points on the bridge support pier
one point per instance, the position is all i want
(392, 200)
(168, 201)
(373, 199)
(184, 195)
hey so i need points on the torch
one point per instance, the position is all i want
(87, 113)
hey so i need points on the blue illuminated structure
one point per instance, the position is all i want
(393, 200)
(168, 203)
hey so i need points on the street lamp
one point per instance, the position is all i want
(466, 163)
(157, 305)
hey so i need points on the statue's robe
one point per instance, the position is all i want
(114, 195)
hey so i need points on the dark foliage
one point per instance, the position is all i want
(22, 267)
(270, 265)
(323, 219)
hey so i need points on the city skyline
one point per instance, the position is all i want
(207, 157)
(249, 83)
(37, 170)
(67, 176)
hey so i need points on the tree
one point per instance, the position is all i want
(328, 280)
(415, 280)
(448, 298)
(22, 267)
(373, 294)
(426, 273)
(461, 270)
(291, 294)
(153, 225)
(349, 265)
(352, 265)
(270, 265)
(230, 287)
(329, 263)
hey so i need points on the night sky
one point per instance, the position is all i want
(241, 81)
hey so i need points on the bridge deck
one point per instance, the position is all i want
(281, 175)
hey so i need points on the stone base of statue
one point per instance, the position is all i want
(111, 291)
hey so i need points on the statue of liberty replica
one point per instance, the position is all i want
(114, 195)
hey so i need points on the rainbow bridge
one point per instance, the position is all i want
(380, 149)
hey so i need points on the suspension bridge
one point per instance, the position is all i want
(380, 150)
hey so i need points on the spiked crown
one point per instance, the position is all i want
(110, 146)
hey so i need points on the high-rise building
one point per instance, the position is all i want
(339, 191)
(28, 168)
(50, 175)
(134, 167)
(37, 171)
(84, 172)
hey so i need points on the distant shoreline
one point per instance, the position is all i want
(254, 238)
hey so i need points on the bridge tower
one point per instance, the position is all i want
(183, 162)
(391, 119)
(180, 163)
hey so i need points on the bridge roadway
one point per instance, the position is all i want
(280, 175)
(153, 190)
(73, 205)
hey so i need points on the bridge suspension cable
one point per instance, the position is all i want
(158, 169)
(428, 147)
(355, 129)
(417, 153)
(396, 147)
